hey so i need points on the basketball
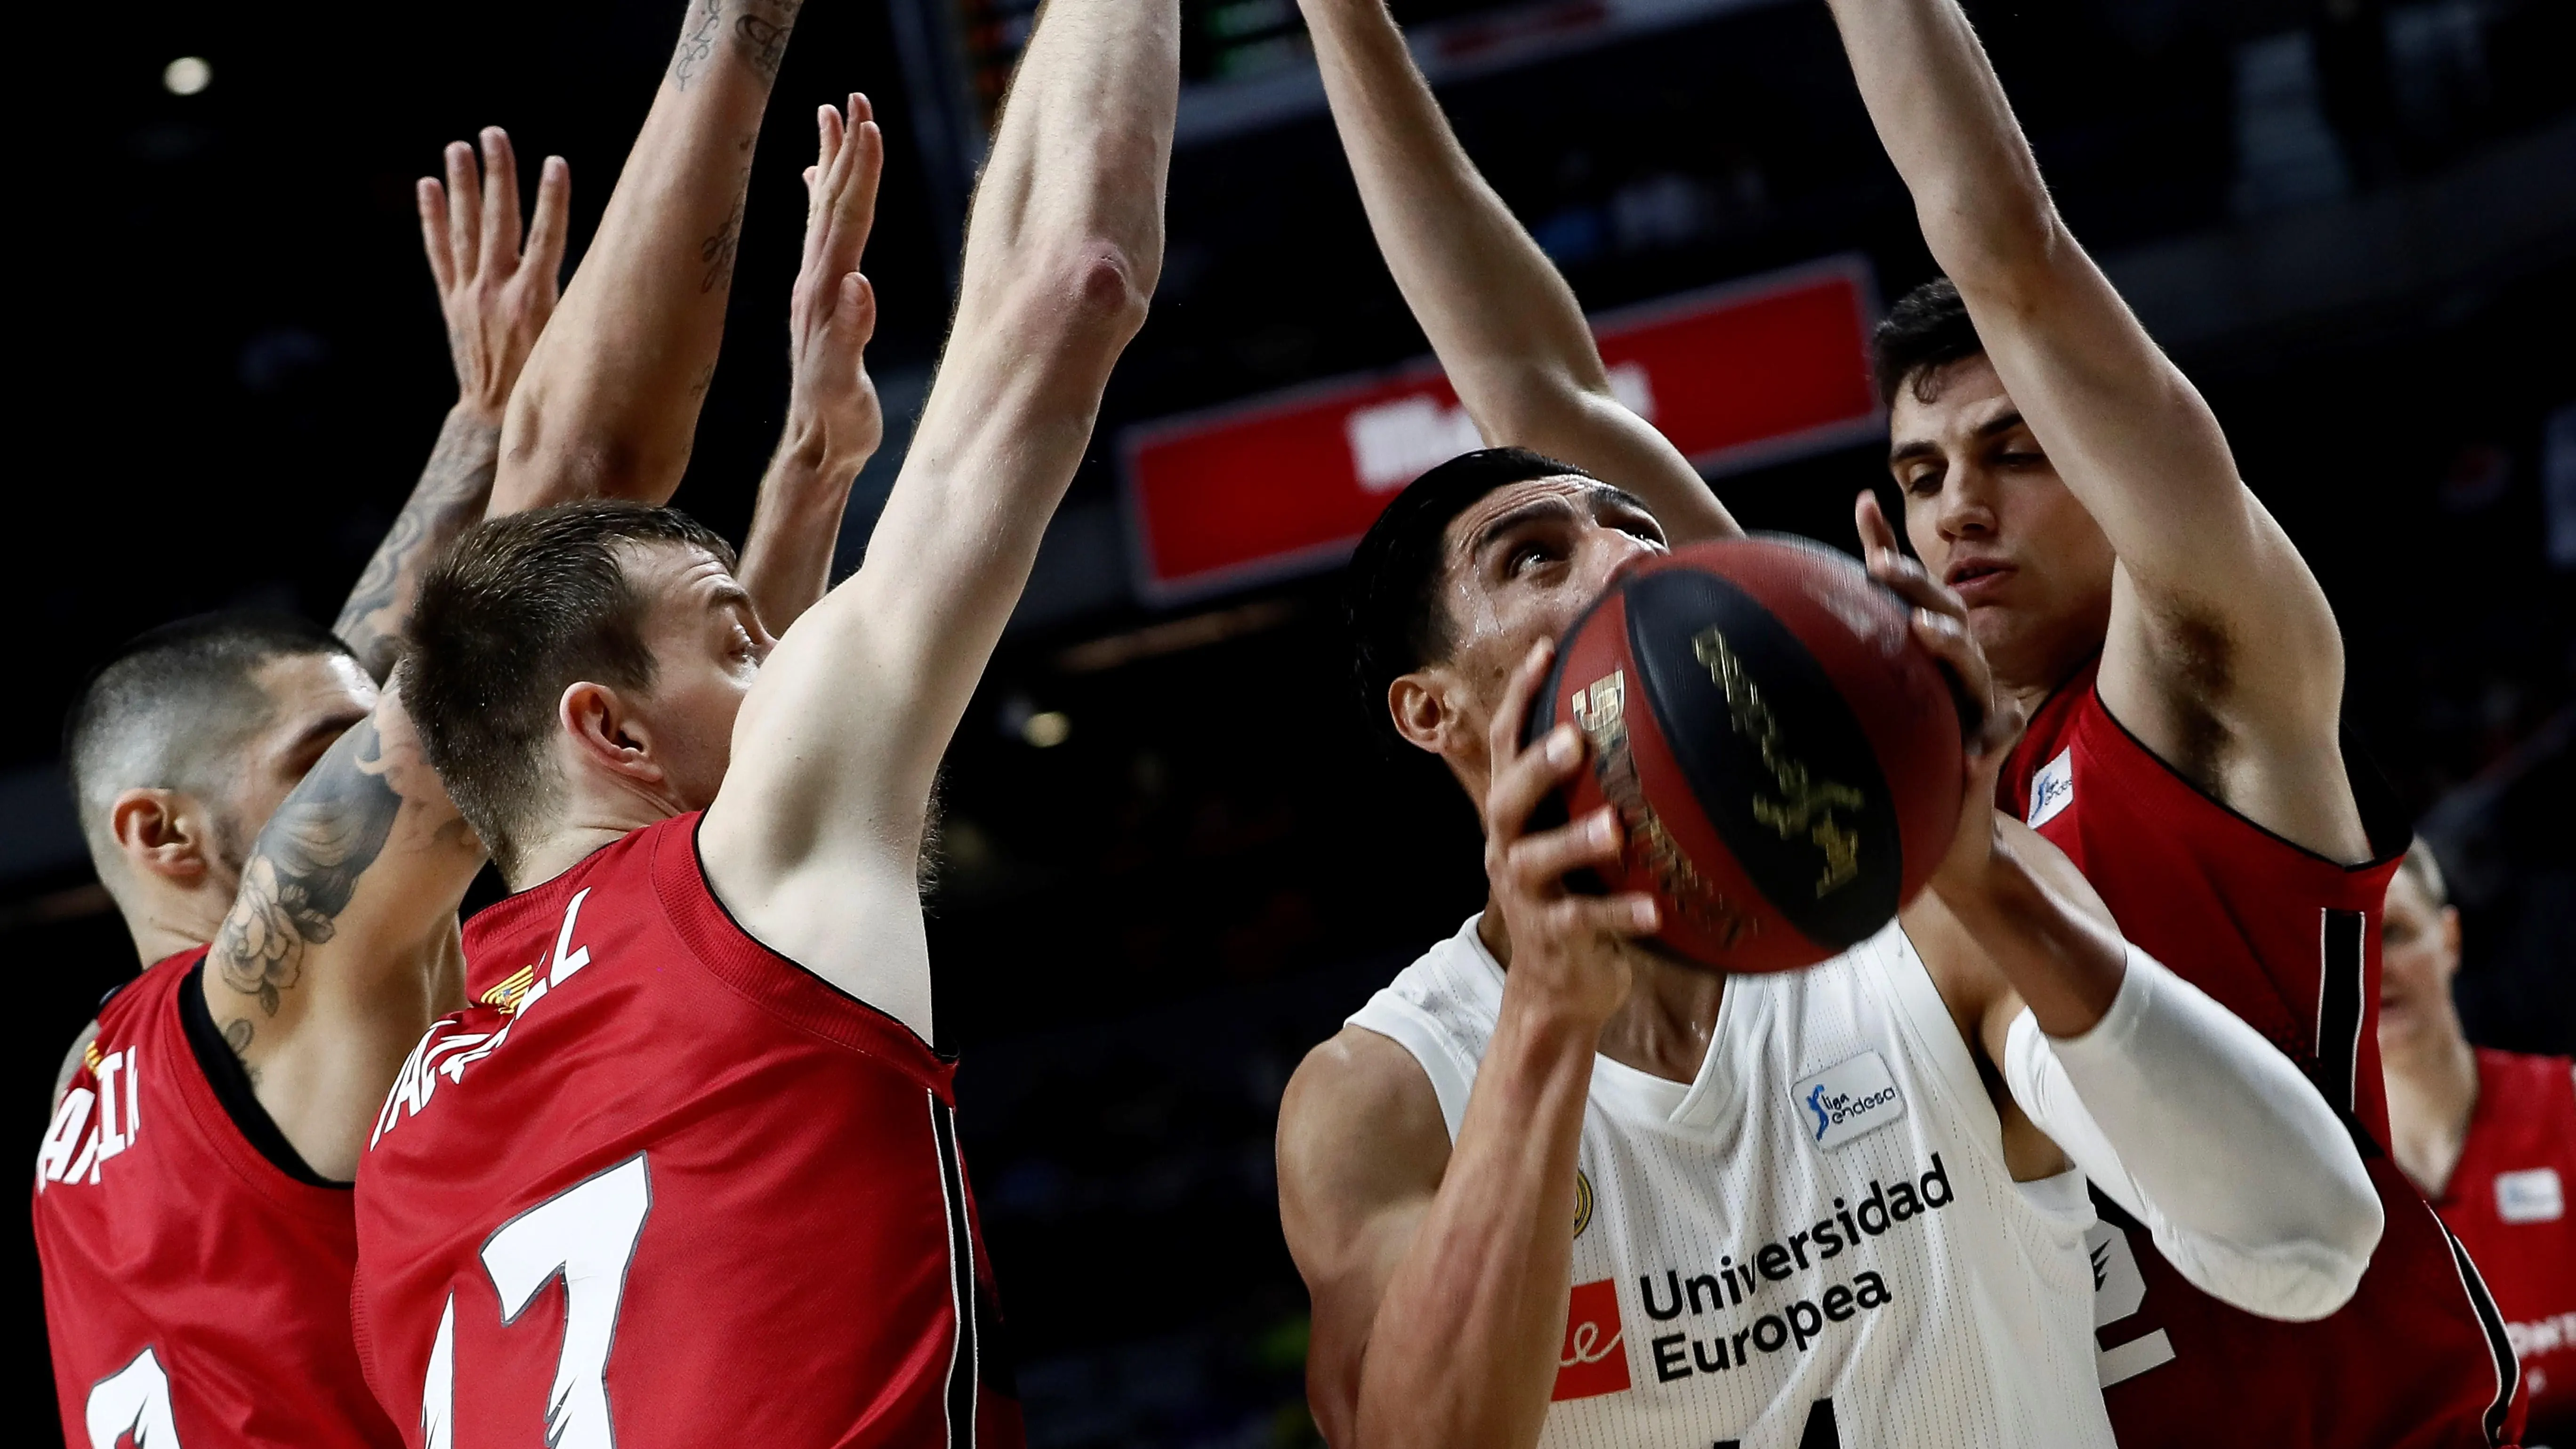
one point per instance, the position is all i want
(1782, 753)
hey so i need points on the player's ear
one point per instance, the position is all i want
(607, 731)
(162, 834)
(1423, 711)
(2451, 939)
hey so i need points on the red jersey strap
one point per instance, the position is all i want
(148, 1016)
(657, 868)
(771, 981)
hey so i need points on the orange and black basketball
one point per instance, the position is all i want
(1782, 752)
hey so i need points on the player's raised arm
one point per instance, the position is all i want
(836, 744)
(2217, 627)
(1507, 328)
(834, 422)
(611, 394)
(496, 297)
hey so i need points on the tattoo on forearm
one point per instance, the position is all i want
(761, 40)
(304, 870)
(717, 251)
(697, 44)
(453, 488)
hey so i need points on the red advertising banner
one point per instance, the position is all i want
(1746, 373)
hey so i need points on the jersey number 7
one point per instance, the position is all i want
(586, 1236)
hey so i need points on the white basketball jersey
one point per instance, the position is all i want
(1814, 1244)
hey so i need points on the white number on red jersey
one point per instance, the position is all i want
(584, 1235)
(132, 1403)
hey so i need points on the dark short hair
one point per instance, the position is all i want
(1391, 594)
(173, 706)
(516, 610)
(1927, 330)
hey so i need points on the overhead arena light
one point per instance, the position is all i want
(187, 75)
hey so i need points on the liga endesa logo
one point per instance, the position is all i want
(1594, 1358)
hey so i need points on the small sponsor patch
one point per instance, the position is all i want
(2534, 1195)
(1847, 1100)
(2052, 789)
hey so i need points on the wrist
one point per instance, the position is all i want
(474, 412)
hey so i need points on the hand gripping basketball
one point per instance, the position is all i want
(1564, 944)
(1940, 623)
(1777, 739)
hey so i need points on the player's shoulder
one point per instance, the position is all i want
(1359, 1126)
(2532, 1082)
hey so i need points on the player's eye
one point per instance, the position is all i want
(1527, 556)
(1922, 483)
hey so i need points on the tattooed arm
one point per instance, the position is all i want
(336, 953)
(496, 298)
(609, 404)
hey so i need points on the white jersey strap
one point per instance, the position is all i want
(1412, 1028)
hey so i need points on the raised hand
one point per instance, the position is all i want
(1941, 623)
(495, 293)
(496, 296)
(834, 422)
(1564, 947)
(830, 400)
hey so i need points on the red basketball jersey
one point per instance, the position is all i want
(662, 1187)
(2288, 940)
(2508, 1202)
(196, 1294)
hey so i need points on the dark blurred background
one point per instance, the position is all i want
(1172, 859)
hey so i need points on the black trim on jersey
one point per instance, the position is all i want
(962, 1363)
(224, 1072)
(2508, 1368)
(2339, 1007)
(2383, 817)
(707, 883)
(1821, 1432)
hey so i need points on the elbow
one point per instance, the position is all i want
(2299, 1275)
(1098, 287)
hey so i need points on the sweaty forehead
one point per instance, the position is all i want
(1586, 496)
(660, 569)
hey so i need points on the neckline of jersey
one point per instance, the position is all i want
(1620, 1089)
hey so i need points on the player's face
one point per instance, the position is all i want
(1523, 562)
(1989, 516)
(707, 644)
(313, 700)
(2419, 948)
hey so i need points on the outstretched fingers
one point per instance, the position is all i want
(432, 199)
(500, 239)
(1523, 777)
(464, 211)
(548, 229)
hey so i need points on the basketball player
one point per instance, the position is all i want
(340, 942)
(1432, 1154)
(196, 1270)
(687, 1171)
(2185, 679)
(2490, 1136)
